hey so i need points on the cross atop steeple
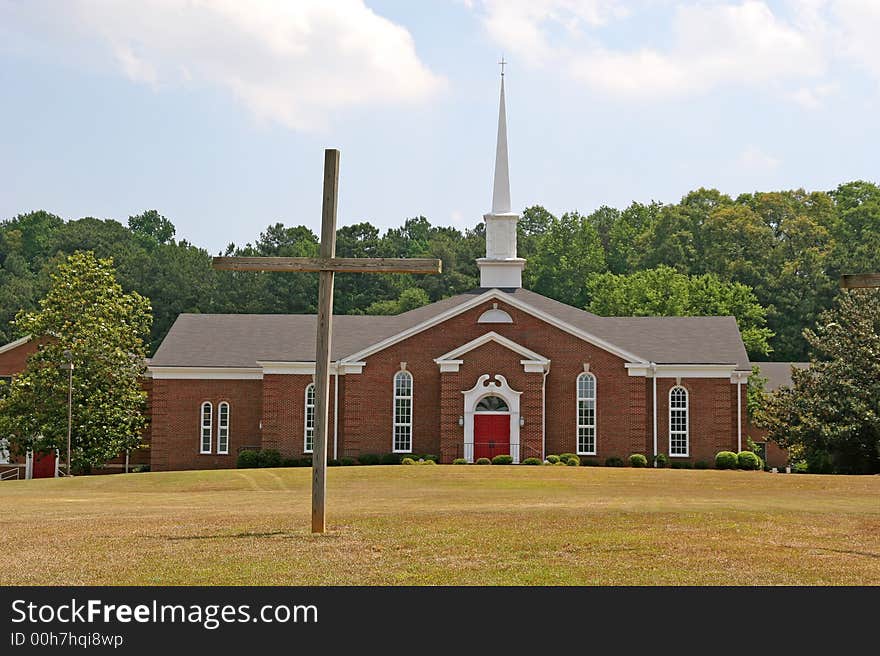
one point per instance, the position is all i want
(503, 63)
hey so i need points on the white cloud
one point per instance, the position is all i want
(755, 160)
(858, 23)
(702, 45)
(813, 97)
(289, 62)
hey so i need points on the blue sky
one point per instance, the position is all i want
(216, 113)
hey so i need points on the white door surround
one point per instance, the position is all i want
(485, 388)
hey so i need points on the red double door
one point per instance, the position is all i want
(491, 435)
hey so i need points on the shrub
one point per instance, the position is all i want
(748, 460)
(347, 461)
(290, 462)
(502, 459)
(432, 458)
(484, 461)
(427, 462)
(532, 461)
(726, 460)
(638, 460)
(333, 462)
(390, 459)
(305, 461)
(800, 467)
(661, 460)
(590, 462)
(573, 462)
(559, 464)
(701, 464)
(369, 459)
(614, 461)
(137, 469)
(552, 459)
(268, 458)
(247, 460)
(565, 457)
(460, 461)
(407, 461)
(681, 464)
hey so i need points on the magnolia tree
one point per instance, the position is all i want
(830, 417)
(86, 318)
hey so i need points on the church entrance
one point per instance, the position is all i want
(491, 428)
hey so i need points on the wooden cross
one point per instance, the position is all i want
(859, 280)
(326, 265)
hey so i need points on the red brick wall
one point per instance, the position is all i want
(620, 406)
(176, 407)
(13, 362)
(284, 414)
(711, 416)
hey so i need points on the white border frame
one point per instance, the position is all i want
(306, 419)
(485, 388)
(687, 421)
(202, 428)
(412, 410)
(577, 414)
(220, 426)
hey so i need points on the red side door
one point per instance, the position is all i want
(44, 465)
(491, 435)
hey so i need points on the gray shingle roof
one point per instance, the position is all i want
(778, 373)
(240, 340)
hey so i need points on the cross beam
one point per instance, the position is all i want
(326, 266)
(859, 280)
(335, 264)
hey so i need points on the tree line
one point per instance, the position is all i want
(772, 259)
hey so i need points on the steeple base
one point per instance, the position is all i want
(505, 274)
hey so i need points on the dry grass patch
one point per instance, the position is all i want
(444, 525)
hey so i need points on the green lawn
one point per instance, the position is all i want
(444, 525)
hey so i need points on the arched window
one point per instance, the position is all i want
(586, 414)
(309, 435)
(678, 421)
(207, 420)
(223, 427)
(403, 412)
(492, 404)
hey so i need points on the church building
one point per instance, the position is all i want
(497, 370)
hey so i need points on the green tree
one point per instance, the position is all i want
(153, 226)
(567, 252)
(665, 292)
(831, 414)
(87, 314)
(409, 299)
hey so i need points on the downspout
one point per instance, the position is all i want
(336, 411)
(739, 420)
(654, 408)
(544, 414)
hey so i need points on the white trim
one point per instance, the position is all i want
(335, 413)
(535, 362)
(494, 315)
(220, 405)
(739, 418)
(306, 448)
(15, 344)
(202, 427)
(206, 373)
(306, 368)
(482, 298)
(654, 408)
(687, 421)
(394, 422)
(484, 388)
(680, 370)
(577, 415)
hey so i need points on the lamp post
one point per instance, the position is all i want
(69, 357)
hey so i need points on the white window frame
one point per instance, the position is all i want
(687, 423)
(308, 431)
(404, 424)
(209, 426)
(577, 419)
(221, 428)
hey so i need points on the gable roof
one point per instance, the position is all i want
(240, 340)
(492, 336)
(778, 373)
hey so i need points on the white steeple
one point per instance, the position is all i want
(501, 267)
